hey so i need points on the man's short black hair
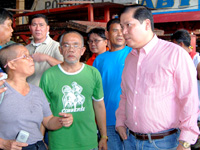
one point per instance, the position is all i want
(4, 15)
(99, 31)
(182, 35)
(110, 22)
(141, 13)
(38, 16)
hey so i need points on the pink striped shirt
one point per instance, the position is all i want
(159, 91)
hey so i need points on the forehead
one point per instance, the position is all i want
(127, 16)
(18, 50)
(71, 38)
(115, 26)
(94, 35)
(38, 20)
(8, 21)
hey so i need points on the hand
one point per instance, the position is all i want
(13, 145)
(122, 132)
(103, 144)
(66, 120)
(180, 147)
(40, 57)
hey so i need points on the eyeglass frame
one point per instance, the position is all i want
(64, 46)
(21, 57)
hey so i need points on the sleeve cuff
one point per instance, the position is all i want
(188, 136)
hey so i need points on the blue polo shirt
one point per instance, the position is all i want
(0, 67)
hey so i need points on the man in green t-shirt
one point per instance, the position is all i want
(76, 88)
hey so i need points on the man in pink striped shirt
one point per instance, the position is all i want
(159, 101)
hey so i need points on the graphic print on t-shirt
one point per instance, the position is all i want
(72, 98)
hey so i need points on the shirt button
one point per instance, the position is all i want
(139, 63)
(134, 107)
(138, 78)
(135, 92)
(136, 123)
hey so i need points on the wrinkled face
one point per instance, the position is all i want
(39, 30)
(134, 32)
(97, 44)
(115, 35)
(6, 31)
(72, 48)
(23, 63)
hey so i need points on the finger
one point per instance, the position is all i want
(124, 136)
(65, 115)
(67, 123)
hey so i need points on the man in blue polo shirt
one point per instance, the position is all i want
(5, 27)
(5, 35)
(111, 64)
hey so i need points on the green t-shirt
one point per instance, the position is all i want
(73, 93)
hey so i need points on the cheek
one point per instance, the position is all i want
(5, 34)
(102, 45)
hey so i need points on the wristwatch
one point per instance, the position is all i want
(185, 144)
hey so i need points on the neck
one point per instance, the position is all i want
(148, 39)
(19, 84)
(116, 47)
(39, 41)
(71, 68)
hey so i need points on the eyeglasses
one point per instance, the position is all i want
(22, 57)
(95, 41)
(68, 46)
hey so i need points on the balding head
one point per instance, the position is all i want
(8, 53)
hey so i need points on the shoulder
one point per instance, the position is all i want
(35, 88)
(52, 70)
(29, 46)
(53, 42)
(103, 55)
(170, 47)
(92, 70)
(128, 48)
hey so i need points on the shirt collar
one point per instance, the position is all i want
(149, 46)
(37, 44)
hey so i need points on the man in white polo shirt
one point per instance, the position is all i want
(43, 48)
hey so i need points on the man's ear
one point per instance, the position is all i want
(48, 27)
(182, 44)
(83, 50)
(30, 27)
(148, 24)
(60, 49)
(106, 34)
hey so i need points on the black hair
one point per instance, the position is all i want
(110, 22)
(4, 15)
(99, 31)
(38, 16)
(182, 36)
(141, 13)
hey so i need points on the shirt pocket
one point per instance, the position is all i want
(157, 83)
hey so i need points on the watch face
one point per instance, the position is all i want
(186, 145)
